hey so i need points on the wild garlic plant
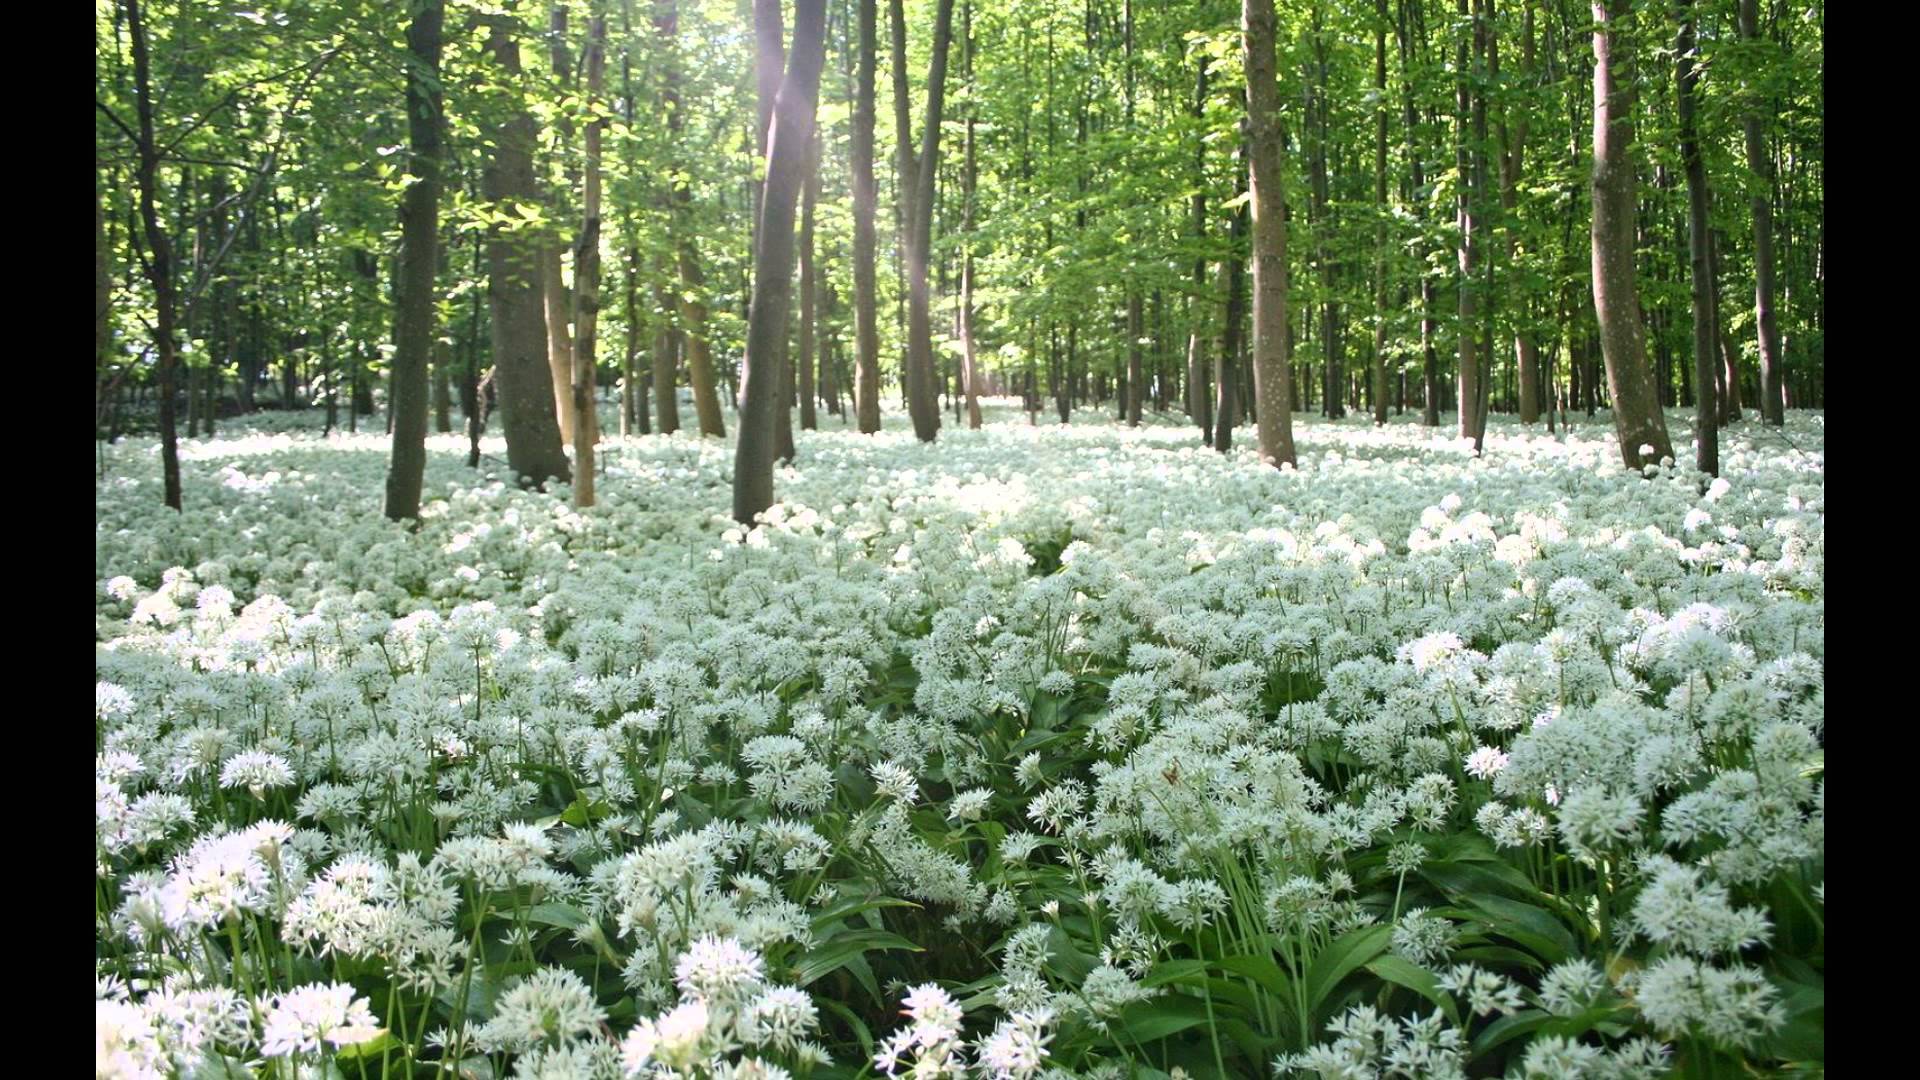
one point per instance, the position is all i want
(1074, 751)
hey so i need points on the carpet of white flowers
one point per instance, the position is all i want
(1037, 752)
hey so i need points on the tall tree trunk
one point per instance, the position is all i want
(692, 305)
(586, 273)
(160, 256)
(809, 419)
(969, 362)
(419, 240)
(552, 282)
(1380, 390)
(1225, 377)
(1761, 164)
(1468, 204)
(1408, 17)
(769, 36)
(917, 213)
(1272, 374)
(787, 157)
(1512, 157)
(1199, 402)
(866, 390)
(1637, 418)
(1706, 319)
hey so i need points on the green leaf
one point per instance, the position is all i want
(1509, 1027)
(1145, 1021)
(554, 914)
(1527, 925)
(833, 955)
(1402, 972)
(1345, 955)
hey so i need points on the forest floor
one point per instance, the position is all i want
(1059, 718)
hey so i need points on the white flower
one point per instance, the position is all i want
(1484, 762)
(299, 1020)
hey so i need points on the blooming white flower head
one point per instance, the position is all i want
(719, 971)
(1018, 1046)
(257, 771)
(894, 781)
(303, 1018)
(673, 1040)
(1485, 761)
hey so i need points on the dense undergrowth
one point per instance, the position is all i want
(1103, 754)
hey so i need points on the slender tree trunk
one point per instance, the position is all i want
(1225, 377)
(160, 256)
(1272, 373)
(1637, 418)
(552, 281)
(1706, 320)
(586, 273)
(917, 213)
(1761, 164)
(1380, 201)
(1199, 402)
(787, 157)
(809, 419)
(1468, 204)
(969, 362)
(866, 397)
(692, 306)
(419, 239)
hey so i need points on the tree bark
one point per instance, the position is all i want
(809, 417)
(866, 404)
(419, 239)
(1225, 377)
(1761, 164)
(693, 309)
(1272, 374)
(1468, 211)
(1637, 418)
(159, 255)
(586, 273)
(969, 361)
(552, 282)
(917, 213)
(792, 129)
(1706, 319)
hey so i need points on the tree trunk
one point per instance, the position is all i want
(160, 257)
(917, 214)
(969, 361)
(866, 390)
(1468, 204)
(552, 283)
(1380, 390)
(693, 309)
(1706, 320)
(809, 419)
(1272, 375)
(1637, 418)
(787, 157)
(419, 240)
(586, 273)
(1761, 164)
(1225, 377)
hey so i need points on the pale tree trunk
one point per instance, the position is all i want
(769, 48)
(917, 215)
(552, 281)
(809, 416)
(1706, 318)
(969, 361)
(1761, 164)
(792, 130)
(1272, 378)
(442, 389)
(693, 309)
(1380, 200)
(1468, 382)
(159, 255)
(419, 240)
(1199, 404)
(586, 273)
(866, 320)
(1513, 148)
(1225, 362)
(1637, 418)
